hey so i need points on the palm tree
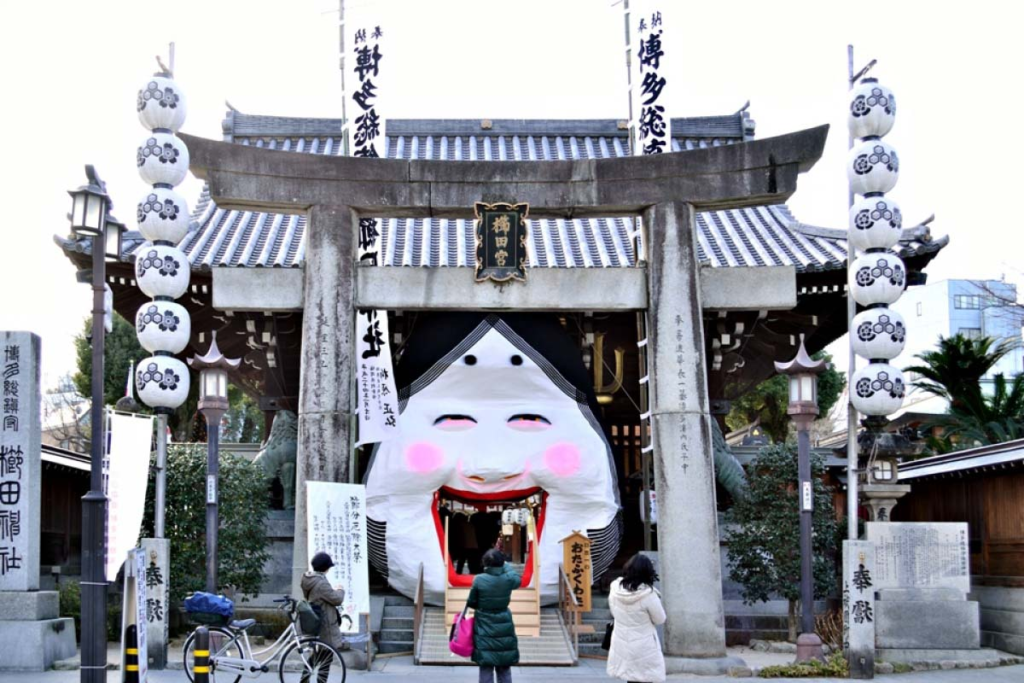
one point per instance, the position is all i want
(954, 372)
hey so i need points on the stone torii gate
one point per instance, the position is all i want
(666, 190)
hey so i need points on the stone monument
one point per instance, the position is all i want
(32, 637)
(922, 578)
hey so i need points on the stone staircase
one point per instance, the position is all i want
(550, 648)
(396, 625)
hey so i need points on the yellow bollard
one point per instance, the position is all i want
(131, 655)
(201, 654)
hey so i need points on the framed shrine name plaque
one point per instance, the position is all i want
(501, 241)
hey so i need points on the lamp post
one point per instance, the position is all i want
(213, 403)
(89, 219)
(803, 374)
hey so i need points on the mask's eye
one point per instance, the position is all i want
(455, 423)
(526, 422)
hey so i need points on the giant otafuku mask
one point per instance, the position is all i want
(496, 411)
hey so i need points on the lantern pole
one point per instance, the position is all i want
(803, 373)
(213, 403)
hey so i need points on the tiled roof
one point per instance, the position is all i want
(755, 236)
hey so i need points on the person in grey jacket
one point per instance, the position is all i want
(318, 591)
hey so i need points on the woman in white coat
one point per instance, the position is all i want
(635, 653)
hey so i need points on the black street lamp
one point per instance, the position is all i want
(213, 403)
(89, 219)
(803, 374)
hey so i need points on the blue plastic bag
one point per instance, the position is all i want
(209, 603)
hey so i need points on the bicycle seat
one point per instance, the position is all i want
(243, 624)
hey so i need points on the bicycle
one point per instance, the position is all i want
(303, 659)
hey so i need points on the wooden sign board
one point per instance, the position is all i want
(578, 567)
(501, 241)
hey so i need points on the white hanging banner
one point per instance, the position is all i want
(364, 45)
(125, 479)
(336, 525)
(651, 123)
(375, 379)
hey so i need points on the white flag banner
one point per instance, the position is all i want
(125, 478)
(651, 123)
(336, 525)
(376, 393)
(364, 131)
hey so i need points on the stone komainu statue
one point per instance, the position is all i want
(278, 455)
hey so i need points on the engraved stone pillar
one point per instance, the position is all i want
(325, 380)
(684, 474)
(156, 587)
(32, 635)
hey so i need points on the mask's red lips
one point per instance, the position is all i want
(466, 580)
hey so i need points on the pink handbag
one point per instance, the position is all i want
(460, 640)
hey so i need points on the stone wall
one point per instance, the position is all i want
(1002, 617)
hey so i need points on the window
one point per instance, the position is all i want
(970, 332)
(920, 307)
(969, 301)
(882, 470)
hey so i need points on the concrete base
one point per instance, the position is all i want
(712, 666)
(29, 605)
(35, 645)
(927, 625)
(910, 656)
(808, 647)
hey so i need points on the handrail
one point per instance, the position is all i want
(417, 619)
(570, 608)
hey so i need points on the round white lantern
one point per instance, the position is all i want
(878, 389)
(162, 158)
(163, 216)
(162, 382)
(872, 166)
(161, 270)
(875, 223)
(872, 110)
(879, 333)
(163, 326)
(877, 278)
(161, 104)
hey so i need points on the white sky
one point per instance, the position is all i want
(70, 72)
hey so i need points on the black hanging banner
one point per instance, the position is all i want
(501, 241)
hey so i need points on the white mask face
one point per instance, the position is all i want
(492, 427)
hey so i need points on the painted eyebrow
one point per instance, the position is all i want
(530, 417)
(454, 417)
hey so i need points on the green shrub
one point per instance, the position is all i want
(835, 666)
(241, 539)
(71, 603)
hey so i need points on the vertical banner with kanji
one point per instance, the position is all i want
(336, 525)
(134, 612)
(20, 464)
(365, 125)
(125, 478)
(650, 123)
(577, 566)
(377, 398)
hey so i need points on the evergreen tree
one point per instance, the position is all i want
(764, 532)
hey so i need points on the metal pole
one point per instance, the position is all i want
(213, 418)
(852, 505)
(94, 503)
(806, 521)
(160, 500)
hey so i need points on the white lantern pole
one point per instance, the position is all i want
(162, 270)
(878, 276)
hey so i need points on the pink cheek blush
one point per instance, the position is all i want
(423, 457)
(563, 459)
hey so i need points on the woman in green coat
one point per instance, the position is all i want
(495, 646)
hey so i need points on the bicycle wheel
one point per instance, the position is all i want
(219, 645)
(311, 661)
